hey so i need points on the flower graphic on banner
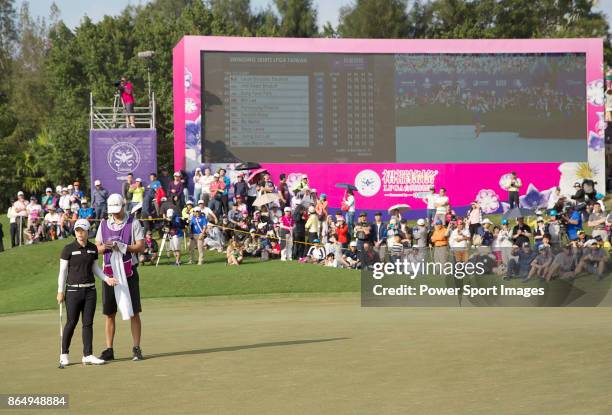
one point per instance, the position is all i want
(504, 181)
(293, 179)
(595, 92)
(192, 134)
(534, 198)
(601, 123)
(505, 206)
(488, 201)
(596, 142)
(188, 76)
(575, 172)
(190, 106)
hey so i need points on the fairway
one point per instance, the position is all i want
(325, 355)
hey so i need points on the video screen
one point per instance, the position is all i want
(321, 107)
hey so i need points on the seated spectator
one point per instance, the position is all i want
(485, 231)
(369, 256)
(251, 245)
(34, 209)
(593, 260)
(316, 253)
(35, 232)
(330, 261)
(151, 250)
(214, 238)
(597, 220)
(396, 248)
(351, 258)
(234, 253)
(520, 265)
(274, 250)
(52, 224)
(541, 263)
(563, 265)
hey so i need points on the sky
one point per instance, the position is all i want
(73, 10)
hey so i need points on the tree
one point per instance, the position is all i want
(374, 19)
(298, 18)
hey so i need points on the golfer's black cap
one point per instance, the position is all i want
(362, 214)
(378, 214)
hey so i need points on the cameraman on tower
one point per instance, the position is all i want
(127, 98)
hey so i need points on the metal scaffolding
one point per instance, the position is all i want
(105, 118)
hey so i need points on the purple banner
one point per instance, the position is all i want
(115, 153)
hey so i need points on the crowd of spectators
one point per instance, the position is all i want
(214, 212)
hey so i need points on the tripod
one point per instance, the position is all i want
(165, 238)
(117, 103)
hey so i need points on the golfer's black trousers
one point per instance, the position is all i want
(80, 301)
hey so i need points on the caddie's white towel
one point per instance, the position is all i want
(122, 291)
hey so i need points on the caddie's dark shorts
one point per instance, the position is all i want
(109, 304)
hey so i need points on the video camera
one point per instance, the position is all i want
(118, 86)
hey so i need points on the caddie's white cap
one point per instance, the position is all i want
(97, 183)
(82, 223)
(421, 222)
(197, 209)
(114, 203)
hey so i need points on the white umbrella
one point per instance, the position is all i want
(401, 207)
(265, 198)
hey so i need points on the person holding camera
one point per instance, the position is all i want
(127, 98)
(513, 190)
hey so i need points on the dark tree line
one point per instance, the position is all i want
(47, 69)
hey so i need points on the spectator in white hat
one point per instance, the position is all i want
(64, 202)
(48, 200)
(137, 192)
(175, 188)
(312, 225)
(197, 185)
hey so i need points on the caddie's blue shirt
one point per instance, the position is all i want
(198, 224)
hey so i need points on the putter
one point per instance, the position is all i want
(61, 329)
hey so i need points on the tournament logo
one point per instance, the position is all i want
(367, 182)
(123, 157)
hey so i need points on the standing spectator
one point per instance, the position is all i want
(137, 192)
(553, 229)
(208, 213)
(266, 184)
(574, 223)
(430, 200)
(439, 240)
(48, 200)
(13, 226)
(225, 190)
(348, 205)
(521, 232)
(127, 98)
(100, 195)
(197, 184)
(301, 185)
(125, 190)
(553, 199)
(217, 186)
(474, 218)
(283, 191)
(299, 232)
(322, 212)
(241, 187)
(342, 231)
(165, 179)
(34, 210)
(505, 241)
(21, 212)
(312, 225)
(205, 182)
(539, 232)
(420, 237)
(362, 231)
(378, 235)
(459, 241)
(198, 233)
(154, 183)
(597, 220)
(486, 235)
(175, 188)
(86, 212)
(286, 231)
(76, 190)
(513, 190)
(442, 205)
(64, 202)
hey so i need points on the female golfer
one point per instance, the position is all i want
(78, 265)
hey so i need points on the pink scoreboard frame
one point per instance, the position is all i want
(477, 180)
